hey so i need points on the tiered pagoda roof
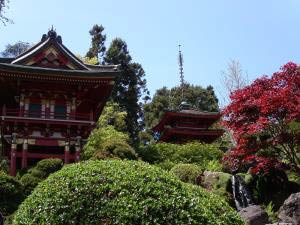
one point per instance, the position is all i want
(188, 124)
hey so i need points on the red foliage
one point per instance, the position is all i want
(258, 116)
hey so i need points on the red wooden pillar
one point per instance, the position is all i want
(13, 156)
(67, 153)
(24, 154)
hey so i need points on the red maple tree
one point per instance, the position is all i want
(264, 119)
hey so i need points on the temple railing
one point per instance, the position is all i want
(38, 114)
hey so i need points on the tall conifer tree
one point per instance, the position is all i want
(130, 86)
(98, 43)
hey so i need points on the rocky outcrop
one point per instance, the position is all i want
(280, 224)
(254, 215)
(212, 180)
(219, 183)
(289, 212)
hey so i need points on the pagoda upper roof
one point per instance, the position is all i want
(50, 56)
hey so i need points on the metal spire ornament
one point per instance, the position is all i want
(180, 62)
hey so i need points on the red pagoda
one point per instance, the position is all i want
(49, 102)
(188, 124)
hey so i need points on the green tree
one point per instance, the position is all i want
(169, 99)
(97, 48)
(3, 5)
(13, 50)
(87, 60)
(109, 136)
(130, 86)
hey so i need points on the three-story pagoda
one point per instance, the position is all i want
(188, 124)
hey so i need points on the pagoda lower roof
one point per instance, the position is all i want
(108, 72)
(192, 134)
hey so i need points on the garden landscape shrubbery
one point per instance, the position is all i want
(11, 193)
(203, 155)
(121, 192)
(188, 173)
(38, 173)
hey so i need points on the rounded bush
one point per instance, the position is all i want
(187, 172)
(48, 166)
(116, 149)
(121, 192)
(29, 182)
(11, 193)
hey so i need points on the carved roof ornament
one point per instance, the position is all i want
(52, 33)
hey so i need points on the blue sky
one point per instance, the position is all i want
(261, 34)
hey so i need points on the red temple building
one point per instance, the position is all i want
(49, 102)
(188, 124)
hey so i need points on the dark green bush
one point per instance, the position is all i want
(121, 192)
(11, 193)
(36, 173)
(148, 154)
(116, 149)
(29, 182)
(40, 172)
(152, 153)
(48, 166)
(3, 165)
(187, 172)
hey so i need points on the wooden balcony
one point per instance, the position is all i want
(38, 117)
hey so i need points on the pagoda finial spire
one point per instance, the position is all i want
(180, 62)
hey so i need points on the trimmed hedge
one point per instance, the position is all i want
(46, 167)
(116, 149)
(11, 193)
(192, 153)
(187, 172)
(121, 192)
(40, 172)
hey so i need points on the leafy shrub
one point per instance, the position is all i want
(120, 149)
(193, 153)
(121, 192)
(197, 153)
(166, 165)
(11, 193)
(99, 136)
(40, 172)
(36, 173)
(48, 166)
(29, 182)
(3, 165)
(115, 149)
(270, 211)
(149, 153)
(213, 165)
(187, 172)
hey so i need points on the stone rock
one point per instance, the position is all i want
(215, 180)
(219, 183)
(280, 224)
(289, 212)
(254, 215)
